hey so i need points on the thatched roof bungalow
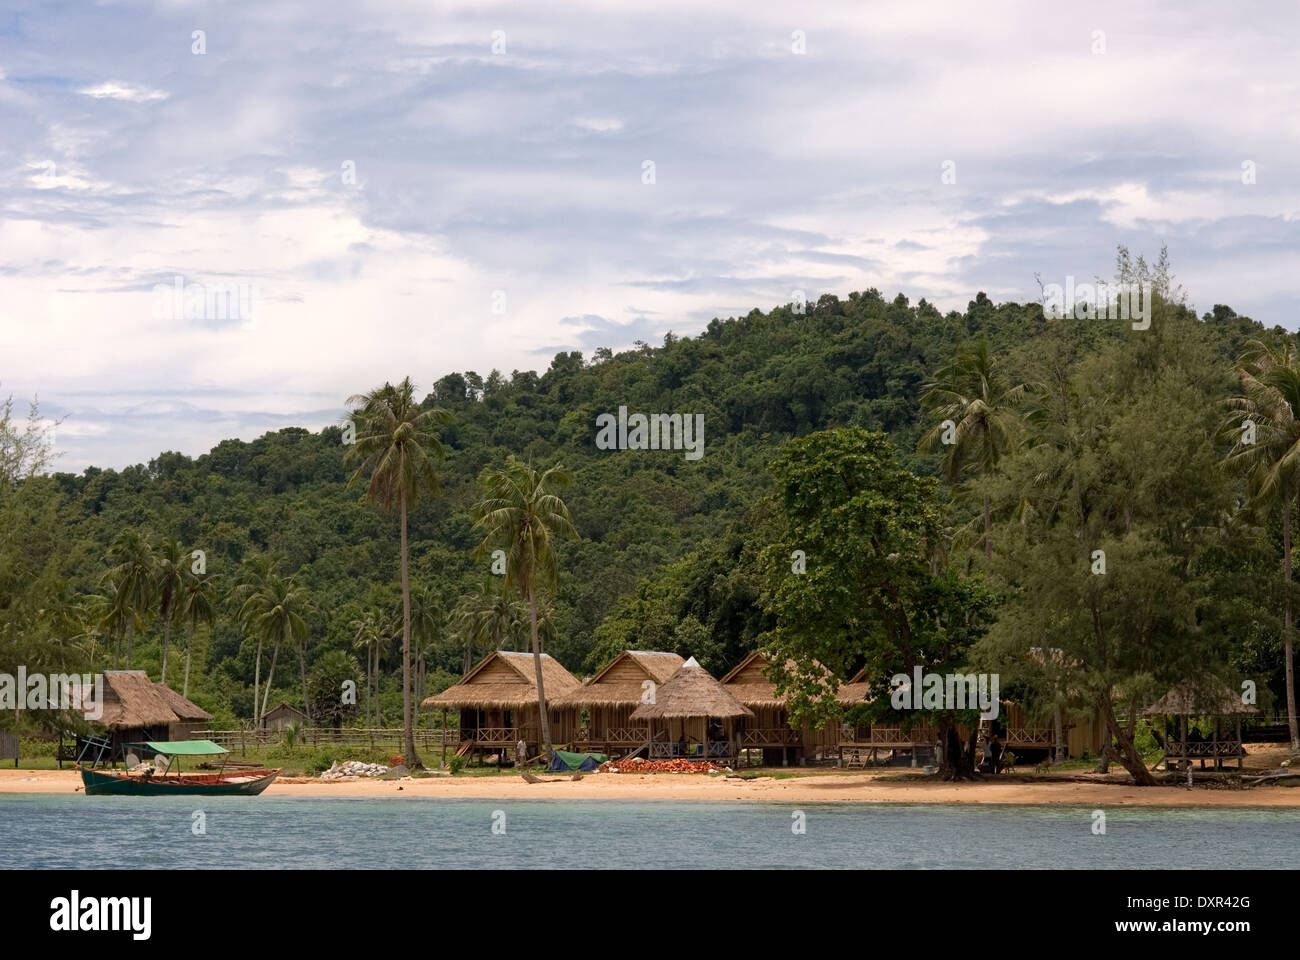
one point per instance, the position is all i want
(497, 701)
(600, 710)
(692, 715)
(136, 709)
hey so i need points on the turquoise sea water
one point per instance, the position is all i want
(277, 832)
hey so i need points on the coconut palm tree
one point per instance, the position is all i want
(972, 391)
(524, 517)
(1265, 429)
(426, 625)
(395, 450)
(254, 573)
(276, 613)
(487, 619)
(170, 564)
(371, 633)
(198, 605)
(133, 580)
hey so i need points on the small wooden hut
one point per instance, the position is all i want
(283, 715)
(497, 702)
(599, 712)
(133, 711)
(692, 716)
(1222, 710)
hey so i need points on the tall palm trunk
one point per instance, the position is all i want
(988, 529)
(270, 678)
(130, 643)
(167, 639)
(1286, 628)
(542, 712)
(412, 758)
(189, 649)
(257, 686)
(302, 667)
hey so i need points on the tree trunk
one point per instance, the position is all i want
(167, 640)
(302, 666)
(1059, 748)
(189, 649)
(412, 758)
(542, 712)
(270, 678)
(130, 642)
(1286, 629)
(257, 687)
(988, 529)
(1128, 754)
(957, 764)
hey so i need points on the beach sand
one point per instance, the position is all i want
(1072, 790)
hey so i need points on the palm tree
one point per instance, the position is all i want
(972, 392)
(522, 516)
(198, 605)
(169, 583)
(395, 449)
(1270, 401)
(426, 625)
(91, 612)
(276, 612)
(486, 619)
(132, 580)
(254, 573)
(369, 633)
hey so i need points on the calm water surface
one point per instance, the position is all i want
(277, 832)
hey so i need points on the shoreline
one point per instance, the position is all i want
(1095, 790)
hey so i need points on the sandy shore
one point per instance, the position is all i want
(848, 788)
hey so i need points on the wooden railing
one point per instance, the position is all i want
(774, 737)
(1030, 737)
(347, 736)
(1224, 748)
(896, 736)
(717, 748)
(507, 736)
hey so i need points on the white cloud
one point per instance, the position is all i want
(110, 90)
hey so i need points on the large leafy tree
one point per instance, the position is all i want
(1265, 434)
(395, 451)
(522, 515)
(851, 581)
(1115, 565)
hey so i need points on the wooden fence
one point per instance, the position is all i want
(345, 736)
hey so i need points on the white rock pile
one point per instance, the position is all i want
(353, 769)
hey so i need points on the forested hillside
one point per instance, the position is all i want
(669, 549)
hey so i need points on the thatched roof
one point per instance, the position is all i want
(619, 682)
(505, 680)
(184, 709)
(131, 700)
(1187, 700)
(748, 683)
(856, 691)
(691, 692)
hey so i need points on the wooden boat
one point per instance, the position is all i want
(171, 782)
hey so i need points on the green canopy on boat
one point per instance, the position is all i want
(184, 748)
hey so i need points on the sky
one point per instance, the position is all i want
(387, 188)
